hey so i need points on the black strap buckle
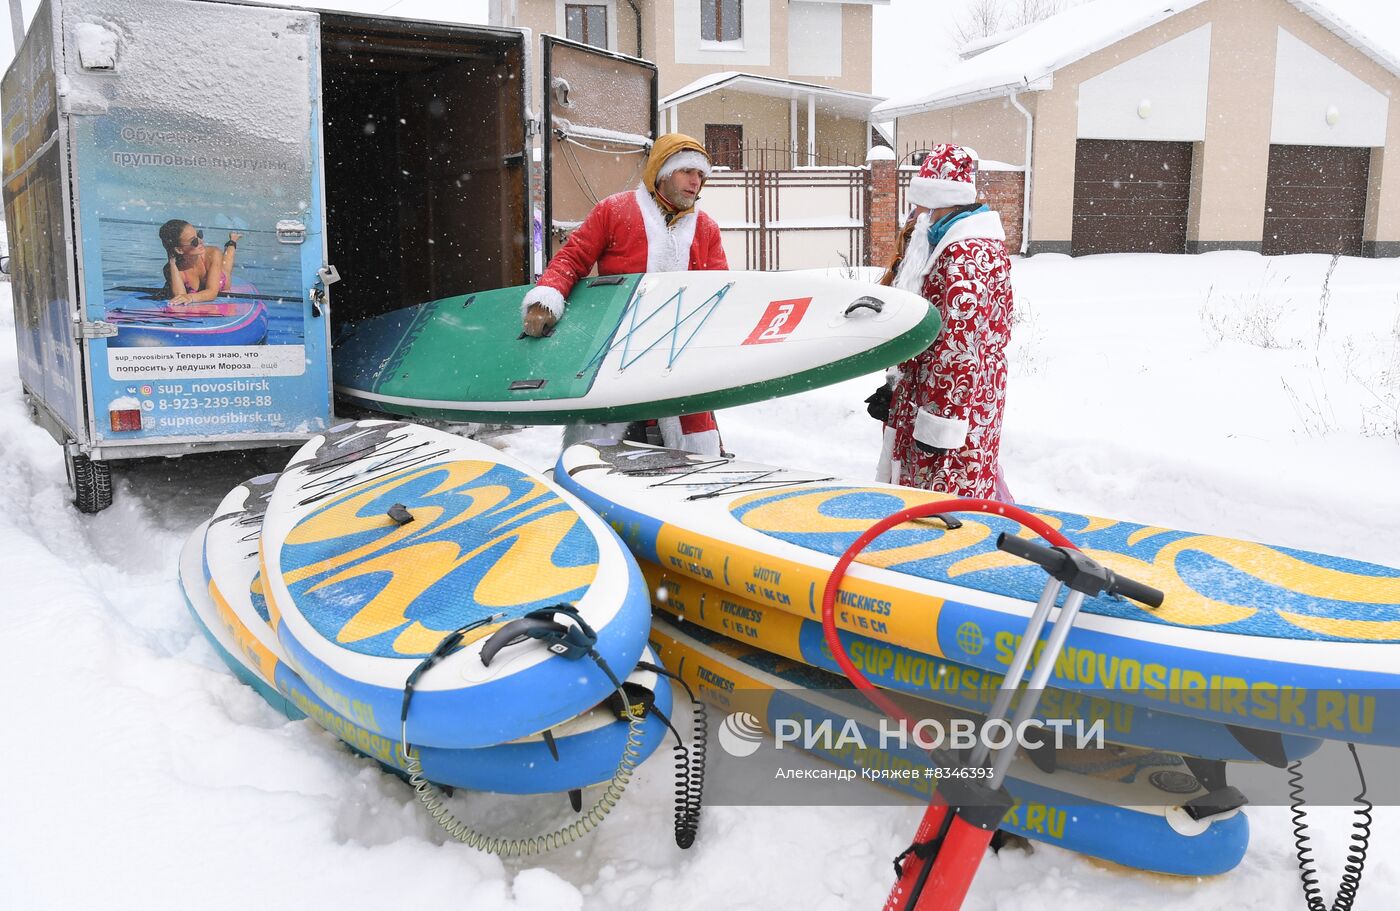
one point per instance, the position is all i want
(640, 701)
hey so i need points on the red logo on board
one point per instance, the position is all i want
(778, 321)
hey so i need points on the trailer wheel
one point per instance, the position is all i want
(92, 484)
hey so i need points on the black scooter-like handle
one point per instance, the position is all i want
(1078, 571)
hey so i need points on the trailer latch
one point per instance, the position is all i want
(83, 328)
(328, 275)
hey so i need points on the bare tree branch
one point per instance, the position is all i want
(981, 19)
(984, 18)
(1024, 12)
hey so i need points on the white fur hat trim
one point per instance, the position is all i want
(685, 158)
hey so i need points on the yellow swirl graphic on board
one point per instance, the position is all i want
(484, 539)
(1251, 588)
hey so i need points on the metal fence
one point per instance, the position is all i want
(783, 155)
(791, 219)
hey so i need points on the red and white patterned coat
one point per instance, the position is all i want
(951, 396)
(626, 233)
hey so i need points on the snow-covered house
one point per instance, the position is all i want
(791, 77)
(1182, 125)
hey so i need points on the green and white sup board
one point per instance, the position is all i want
(630, 347)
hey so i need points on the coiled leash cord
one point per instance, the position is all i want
(1360, 841)
(572, 642)
(690, 762)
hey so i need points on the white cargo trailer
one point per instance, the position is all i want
(309, 147)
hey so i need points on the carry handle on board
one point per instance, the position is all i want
(569, 641)
(865, 303)
(955, 833)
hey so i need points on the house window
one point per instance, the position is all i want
(721, 20)
(586, 23)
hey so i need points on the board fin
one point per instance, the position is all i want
(1215, 803)
(1266, 746)
(548, 736)
(1209, 772)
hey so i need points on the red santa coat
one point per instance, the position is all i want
(626, 233)
(951, 395)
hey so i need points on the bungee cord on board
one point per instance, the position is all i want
(568, 642)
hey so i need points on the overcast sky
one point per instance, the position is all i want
(911, 36)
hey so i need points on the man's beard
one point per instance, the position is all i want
(679, 206)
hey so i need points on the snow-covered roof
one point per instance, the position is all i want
(1026, 60)
(982, 45)
(1383, 55)
(837, 101)
(698, 87)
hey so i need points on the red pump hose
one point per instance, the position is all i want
(922, 884)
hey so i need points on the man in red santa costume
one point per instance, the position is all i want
(654, 228)
(943, 426)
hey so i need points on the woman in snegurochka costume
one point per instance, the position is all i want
(194, 271)
(942, 411)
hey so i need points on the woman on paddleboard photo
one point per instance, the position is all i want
(194, 271)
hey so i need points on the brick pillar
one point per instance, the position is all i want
(1005, 192)
(882, 214)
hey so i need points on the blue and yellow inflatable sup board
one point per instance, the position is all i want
(1118, 804)
(225, 596)
(959, 686)
(1249, 634)
(383, 538)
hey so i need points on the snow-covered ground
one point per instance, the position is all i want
(1225, 393)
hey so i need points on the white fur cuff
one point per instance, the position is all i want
(548, 297)
(885, 468)
(940, 433)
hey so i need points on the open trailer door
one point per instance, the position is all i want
(600, 119)
(427, 151)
